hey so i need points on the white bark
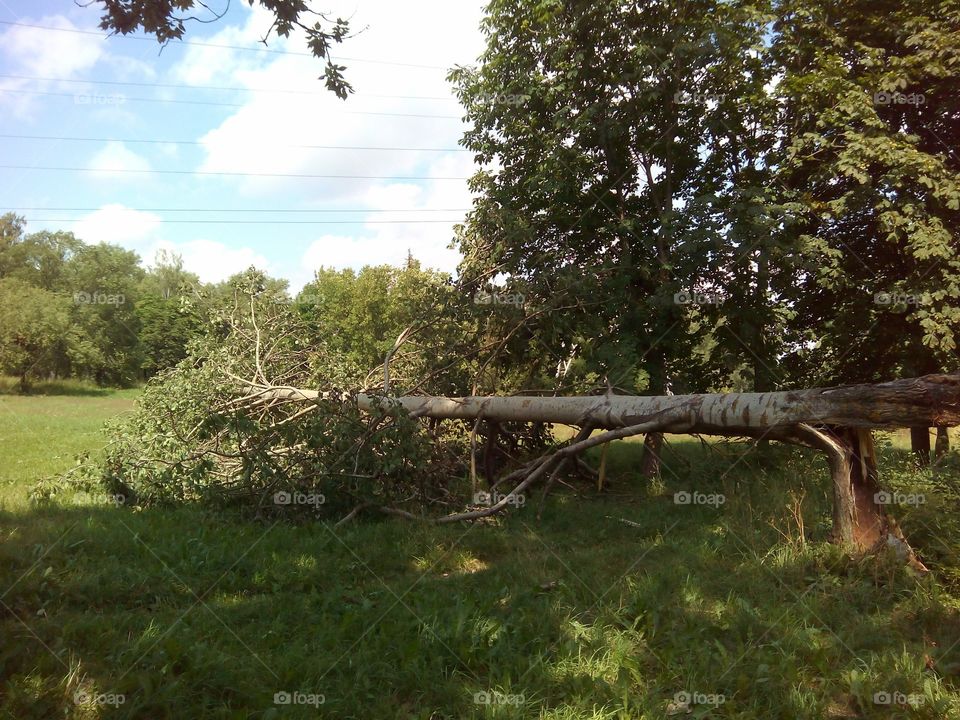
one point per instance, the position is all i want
(929, 400)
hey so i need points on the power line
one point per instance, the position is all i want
(275, 222)
(237, 210)
(198, 142)
(244, 174)
(182, 86)
(224, 47)
(76, 97)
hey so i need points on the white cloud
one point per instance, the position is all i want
(51, 54)
(389, 244)
(115, 156)
(118, 225)
(213, 261)
(138, 230)
(207, 65)
(262, 135)
(32, 52)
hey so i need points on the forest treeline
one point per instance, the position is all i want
(72, 309)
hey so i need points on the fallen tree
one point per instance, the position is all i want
(837, 421)
(258, 418)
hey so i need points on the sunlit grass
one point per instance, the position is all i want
(608, 607)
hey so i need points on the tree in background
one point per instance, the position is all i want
(35, 330)
(360, 315)
(167, 313)
(103, 282)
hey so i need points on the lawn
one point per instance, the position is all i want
(619, 605)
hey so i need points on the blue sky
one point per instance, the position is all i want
(127, 139)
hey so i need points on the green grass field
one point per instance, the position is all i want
(608, 607)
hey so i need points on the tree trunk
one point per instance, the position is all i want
(920, 444)
(653, 442)
(924, 401)
(834, 420)
(942, 446)
(928, 400)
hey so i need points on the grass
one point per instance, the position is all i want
(606, 608)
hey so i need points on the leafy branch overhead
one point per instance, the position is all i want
(168, 19)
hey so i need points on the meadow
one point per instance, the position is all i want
(619, 604)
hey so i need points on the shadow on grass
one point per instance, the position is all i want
(606, 608)
(70, 388)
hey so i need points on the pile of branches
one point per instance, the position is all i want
(229, 427)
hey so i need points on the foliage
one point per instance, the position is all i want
(359, 315)
(34, 330)
(757, 155)
(612, 158)
(192, 440)
(875, 186)
(167, 314)
(166, 19)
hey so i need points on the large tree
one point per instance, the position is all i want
(873, 116)
(617, 144)
(872, 123)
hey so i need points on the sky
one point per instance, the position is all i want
(117, 141)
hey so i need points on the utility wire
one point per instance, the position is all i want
(274, 222)
(196, 43)
(198, 142)
(77, 100)
(244, 174)
(236, 210)
(181, 86)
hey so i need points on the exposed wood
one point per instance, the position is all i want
(602, 472)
